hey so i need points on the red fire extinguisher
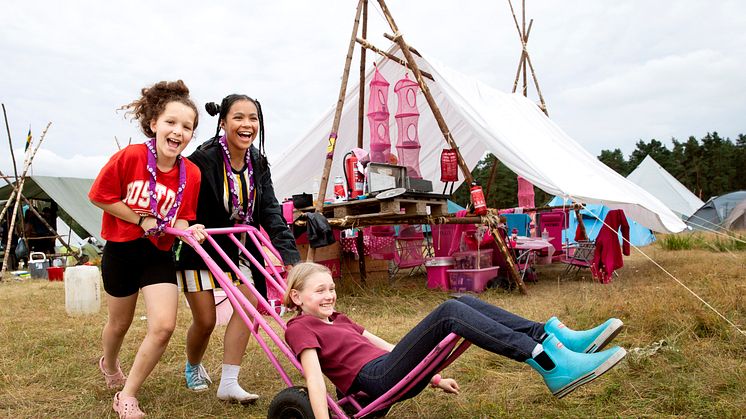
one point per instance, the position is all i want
(477, 199)
(353, 176)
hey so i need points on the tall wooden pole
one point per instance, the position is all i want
(10, 144)
(335, 124)
(361, 101)
(26, 165)
(399, 39)
(543, 105)
(359, 239)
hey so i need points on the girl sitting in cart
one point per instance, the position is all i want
(328, 343)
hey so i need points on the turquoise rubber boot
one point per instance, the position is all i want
(587, 341)
(571, 369)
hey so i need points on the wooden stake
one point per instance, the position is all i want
(522, 61)
(26, 166)
(399, 39)
(365, 44)
(335, 125)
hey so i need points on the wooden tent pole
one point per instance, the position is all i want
(335, 125)
(46, 224)
(503, 247)
(391, 57)
(522, 60)
(581, 224)
(399, 39)
(491, 179)
(359, 239)
(523, 38)
(26, 166)
(543, 105)
(10, 144)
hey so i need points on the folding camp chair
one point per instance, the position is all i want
(409, 251)
(293, 402)
(579, 256)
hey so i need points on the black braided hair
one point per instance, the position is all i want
(213, 109)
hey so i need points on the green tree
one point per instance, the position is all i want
(615, 160)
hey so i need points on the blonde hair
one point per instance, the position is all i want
(297, 280)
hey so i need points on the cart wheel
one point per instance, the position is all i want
(291, 403)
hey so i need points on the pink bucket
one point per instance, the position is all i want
(437, 272)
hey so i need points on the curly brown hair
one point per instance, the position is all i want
(154, 100)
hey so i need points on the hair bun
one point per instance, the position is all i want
(212, 108)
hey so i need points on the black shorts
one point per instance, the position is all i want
(128, 266)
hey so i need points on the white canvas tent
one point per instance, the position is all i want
(652, 177)
(71, 194)
(481, 119)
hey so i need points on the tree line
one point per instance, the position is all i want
(708, 167)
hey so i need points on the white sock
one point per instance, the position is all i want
(229, 388)
(537, 350)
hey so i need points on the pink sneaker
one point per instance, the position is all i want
(127, 407)
(114, 380)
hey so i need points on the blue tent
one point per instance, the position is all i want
(638, 235)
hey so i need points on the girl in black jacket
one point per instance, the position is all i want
(236, 189)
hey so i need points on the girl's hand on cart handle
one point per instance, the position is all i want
(198, 232)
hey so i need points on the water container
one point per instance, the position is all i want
(82, 290)
(38, 264)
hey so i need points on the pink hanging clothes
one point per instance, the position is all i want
(607, 256)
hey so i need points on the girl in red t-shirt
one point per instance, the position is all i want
(328, 342)
(142, 189)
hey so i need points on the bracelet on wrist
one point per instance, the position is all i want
(142, 218)
(435, 380)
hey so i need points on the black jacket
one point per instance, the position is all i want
(211, 212)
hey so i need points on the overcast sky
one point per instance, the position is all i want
(612, 72)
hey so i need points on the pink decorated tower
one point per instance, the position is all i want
(378, 118)
(407, 116)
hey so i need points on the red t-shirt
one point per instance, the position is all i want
(341, 346)
(126, 178)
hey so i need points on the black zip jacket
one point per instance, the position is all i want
(211, 212)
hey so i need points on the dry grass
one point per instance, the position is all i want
(48, 360)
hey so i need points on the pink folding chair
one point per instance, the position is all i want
(293, 401)
(409, 250)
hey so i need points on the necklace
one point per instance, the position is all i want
(161, 223)
(238, 214)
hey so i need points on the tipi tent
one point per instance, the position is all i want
(714, 212)
(737, 218)
(480, 119)
(652, 177)
(71, 195)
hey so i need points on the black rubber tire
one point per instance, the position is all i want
(291, 403)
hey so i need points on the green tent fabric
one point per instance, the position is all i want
(71, 195)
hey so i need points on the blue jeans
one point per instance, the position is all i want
(489, 327)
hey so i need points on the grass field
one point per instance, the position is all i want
(48, 360)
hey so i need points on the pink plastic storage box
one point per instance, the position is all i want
(473, 259)
(474, 280)
(437, 272)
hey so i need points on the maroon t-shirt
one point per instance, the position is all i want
(341, 346)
